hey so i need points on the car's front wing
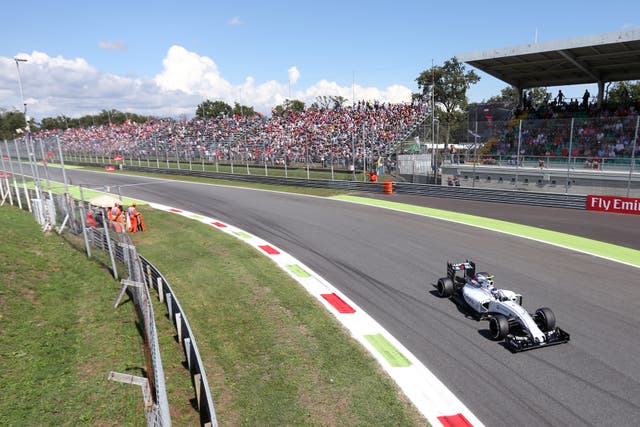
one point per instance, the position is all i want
(517, 343)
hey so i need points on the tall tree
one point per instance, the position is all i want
(509, 95)
(623, 93)
(243, 110)
(324, 101)
(210, 109)
(448, 84)
(328, 102)
(338, 101)
(289, 105)
(10, 121)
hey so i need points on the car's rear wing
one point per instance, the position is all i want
(468, 268)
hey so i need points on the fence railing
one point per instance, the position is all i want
(187, 341)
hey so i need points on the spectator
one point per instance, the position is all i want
(91, 222)
(585, 99)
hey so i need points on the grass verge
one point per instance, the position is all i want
(60, 335)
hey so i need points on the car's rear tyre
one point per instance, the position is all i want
(545, 319)
(498, 327)
(445, 287)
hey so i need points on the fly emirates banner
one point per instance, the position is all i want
(626, 205)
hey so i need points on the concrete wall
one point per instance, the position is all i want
(542, 179)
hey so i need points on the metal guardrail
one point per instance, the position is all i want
(187, 341)
(569, 201)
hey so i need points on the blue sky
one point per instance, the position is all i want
(164, 58)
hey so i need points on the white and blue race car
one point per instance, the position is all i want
(508, 320)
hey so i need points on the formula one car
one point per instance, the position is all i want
(508, 320)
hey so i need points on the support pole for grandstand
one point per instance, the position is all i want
(306, 155)
(286, 160)
(518, 153)
(177, 153)
(217, 158)
(155, 142)
(633, 156)
(353, 155)
(566, 187)
(231, 158)
(332, 141)
(364, 156)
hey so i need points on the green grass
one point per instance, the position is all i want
(60, 335)
(273, 355)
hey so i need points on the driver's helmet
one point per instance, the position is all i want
(485, 280)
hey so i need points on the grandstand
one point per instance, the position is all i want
(598, 59)
(343, 136)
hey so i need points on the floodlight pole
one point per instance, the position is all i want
(30, 147)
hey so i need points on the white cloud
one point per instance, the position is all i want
(235, 21)
(55, 85)
(118, 45)
(294, 75)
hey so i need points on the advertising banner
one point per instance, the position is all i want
(615, 204)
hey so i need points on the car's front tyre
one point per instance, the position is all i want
(498, 327)
(545, 319)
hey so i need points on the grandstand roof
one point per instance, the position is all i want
(600, 58)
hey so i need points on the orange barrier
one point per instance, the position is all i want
(388, 187)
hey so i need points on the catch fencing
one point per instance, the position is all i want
(60, 213)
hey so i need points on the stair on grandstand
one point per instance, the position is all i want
(239, 136)
(406, 136)
(486, 148)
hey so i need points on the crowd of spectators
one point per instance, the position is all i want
(340, 135)
(346, 135)
(546, 130)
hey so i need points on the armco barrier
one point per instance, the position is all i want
(187, 341)
(558, 200)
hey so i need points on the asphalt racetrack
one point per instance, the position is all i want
(386, 261)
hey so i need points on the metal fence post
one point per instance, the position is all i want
(632, 164)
